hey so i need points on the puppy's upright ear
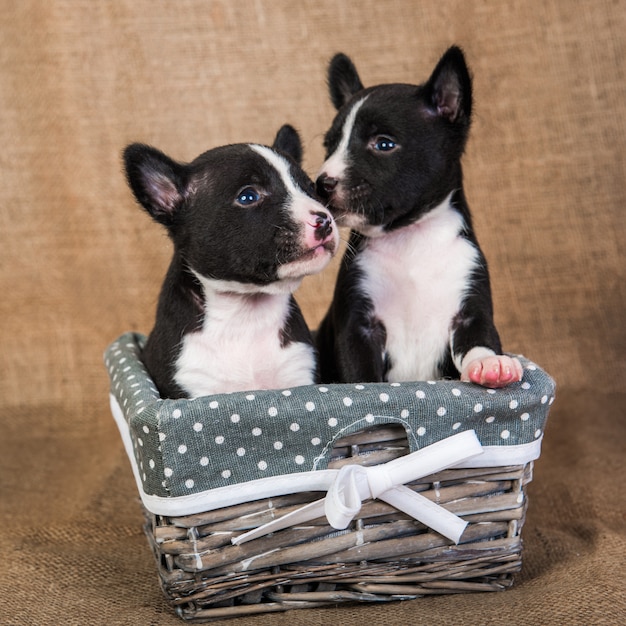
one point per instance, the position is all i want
(343, 80)
(448, 91)
(288, 142)
(157, 181)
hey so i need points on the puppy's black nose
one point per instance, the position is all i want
(326, 185)
(323, 225)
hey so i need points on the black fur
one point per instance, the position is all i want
(428, 126)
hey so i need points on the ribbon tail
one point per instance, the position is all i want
(302, 515)
(424, 510)
(433, 458)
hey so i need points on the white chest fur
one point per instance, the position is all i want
(239, 347)
(417, 278)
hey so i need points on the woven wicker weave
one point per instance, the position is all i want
(383, 555)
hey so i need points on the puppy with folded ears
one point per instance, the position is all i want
(412, 299)
(246, 229)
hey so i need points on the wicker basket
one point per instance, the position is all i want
(196, 511)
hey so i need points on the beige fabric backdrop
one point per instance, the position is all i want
(80, 263)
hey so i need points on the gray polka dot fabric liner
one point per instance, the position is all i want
(195, 455)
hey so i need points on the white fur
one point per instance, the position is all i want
(417, 278)
(287, 285)
(282, 167)
(462, 361)
(239, 346)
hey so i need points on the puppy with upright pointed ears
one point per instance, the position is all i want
(412, 299)
(246, 229)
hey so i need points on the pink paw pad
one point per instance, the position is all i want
(493, 371)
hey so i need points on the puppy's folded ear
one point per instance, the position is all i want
(343, 80)
(288, 142)
(157, 181)
(449, 89)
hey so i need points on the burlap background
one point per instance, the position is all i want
(80, 264)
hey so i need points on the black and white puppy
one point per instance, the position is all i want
(246, 229)
(412, 299)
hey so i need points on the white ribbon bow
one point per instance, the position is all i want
(352, 484)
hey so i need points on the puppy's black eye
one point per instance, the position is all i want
(248, 196)
(382, 143)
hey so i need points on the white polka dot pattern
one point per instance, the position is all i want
(189, 446)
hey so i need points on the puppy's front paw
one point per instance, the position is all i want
(493, 371)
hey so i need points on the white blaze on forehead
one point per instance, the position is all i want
(335, 165)
(300, 204)
(281, 165)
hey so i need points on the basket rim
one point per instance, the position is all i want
(172, 503)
